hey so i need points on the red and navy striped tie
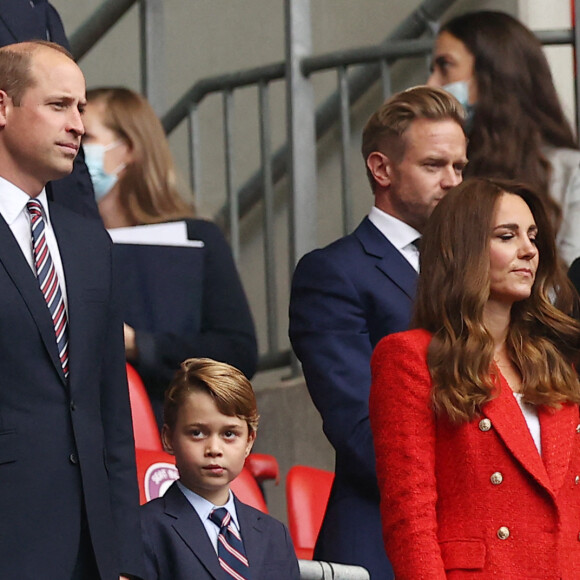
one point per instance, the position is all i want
(231, 552)
(48, 281)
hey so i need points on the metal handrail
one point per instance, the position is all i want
(95, 27)
(151, 40)
(317, 570)
(225, 82)
(421, 20)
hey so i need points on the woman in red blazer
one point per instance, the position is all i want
(475, 413)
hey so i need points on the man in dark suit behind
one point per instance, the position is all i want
(347, 296)
(22, 20)
(68, 489)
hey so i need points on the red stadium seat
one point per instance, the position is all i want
(263, 467)
(145, 429)
(156, 471)
(307, 493)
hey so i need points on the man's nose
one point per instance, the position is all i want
(75, 123)
(451, 178)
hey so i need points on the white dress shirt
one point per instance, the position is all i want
(400, 234)
(204, 508)
(13, 209)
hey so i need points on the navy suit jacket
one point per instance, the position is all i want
(344, 299)
(177, 546)
(65, 445)
(19, 22)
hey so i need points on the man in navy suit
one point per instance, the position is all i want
(22, 20)
(347, 296)
(68, 489)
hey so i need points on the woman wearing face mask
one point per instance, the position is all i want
(474, 413)
(129, 160)
(517, 129)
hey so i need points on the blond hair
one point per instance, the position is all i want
(229, 388)
(384, 131)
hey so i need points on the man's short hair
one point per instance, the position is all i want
(16, 64)
(386, 127)
(231, 391)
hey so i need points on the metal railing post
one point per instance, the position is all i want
(95, 27)
(153, 53)
(301, 134)
(576, 45)
(268, 219)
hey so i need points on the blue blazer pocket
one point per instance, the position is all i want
(463, 554)
(8, 446)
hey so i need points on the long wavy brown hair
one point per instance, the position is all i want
(148, 186)
(517, 110)
(543, 339)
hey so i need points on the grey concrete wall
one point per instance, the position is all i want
(290, 429)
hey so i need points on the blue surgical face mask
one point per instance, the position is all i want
(460, 90)
(103, 182)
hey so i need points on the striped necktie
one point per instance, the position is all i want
(231, 554)
(48, 281)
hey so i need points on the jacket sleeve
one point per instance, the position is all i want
(330, 336)
(403, 426)
(227, 331)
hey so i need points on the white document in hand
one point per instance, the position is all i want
(167, 234)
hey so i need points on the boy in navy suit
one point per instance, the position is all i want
(199, 529)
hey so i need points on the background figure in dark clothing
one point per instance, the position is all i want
(179, 302)
(22, 20)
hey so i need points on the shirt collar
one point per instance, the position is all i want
(13, 201)
(203, 507)
(396, 231)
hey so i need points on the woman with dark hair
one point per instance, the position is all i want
(517, 129)
(133, 174)
(475, 413)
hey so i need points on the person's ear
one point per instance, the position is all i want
(166, 439)
(250, 444)
(5, 105)
(128, 153)
(380, 167)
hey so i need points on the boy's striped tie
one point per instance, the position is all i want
(231, 553)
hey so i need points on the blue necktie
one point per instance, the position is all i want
(231, 553)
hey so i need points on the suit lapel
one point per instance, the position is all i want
(22, 22)
(558, 430)
(389, 260)
(25, 281)
(509, 422)
(191, 530)
(252, 529)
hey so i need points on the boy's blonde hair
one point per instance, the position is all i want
(230, 389)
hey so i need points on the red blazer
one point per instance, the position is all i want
(474, 500)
